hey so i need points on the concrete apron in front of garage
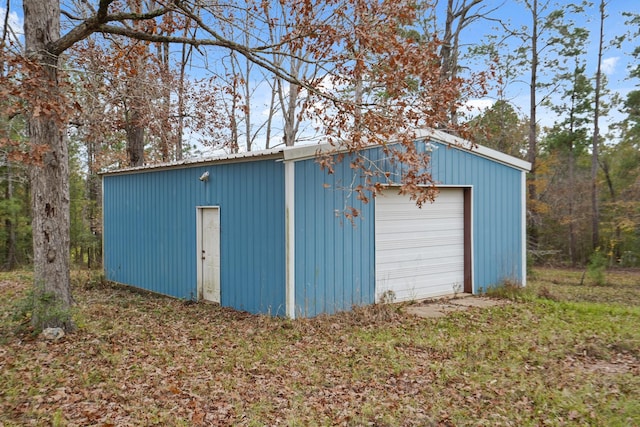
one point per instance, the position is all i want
(442, 306)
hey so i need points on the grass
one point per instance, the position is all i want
(561, 354)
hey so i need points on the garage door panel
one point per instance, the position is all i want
(397, 251)
(398, 257)
(415, 293)
(437, 270)
(444, 196)
(413, 227)
(421, 288)
(392, 216)
(419, 252)
(427, 209)
(420, 239)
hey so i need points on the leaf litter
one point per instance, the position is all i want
(143, 359)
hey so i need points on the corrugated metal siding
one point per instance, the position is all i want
(334, 259)
(150, 231)
(497, 212)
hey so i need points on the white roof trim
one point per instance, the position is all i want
(248, 156)
(303, 152)
(309, 151)
(481, 150)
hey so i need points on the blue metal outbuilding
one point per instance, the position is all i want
(263, 231)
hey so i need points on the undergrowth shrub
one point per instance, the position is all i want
(42, 305)
(545, 293)
(596, 269)
(89, 279)
(509, 289)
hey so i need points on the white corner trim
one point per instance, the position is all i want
(290, 242)
(198, 253)
(523, 204)
(104, 270)
(471, 241)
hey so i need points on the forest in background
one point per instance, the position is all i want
(143, 102)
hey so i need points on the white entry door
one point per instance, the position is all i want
(209, 224)
(419, 252)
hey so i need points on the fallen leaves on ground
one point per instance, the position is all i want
(142, 359)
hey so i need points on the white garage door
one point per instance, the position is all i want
(419, 252)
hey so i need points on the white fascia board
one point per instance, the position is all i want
(203, 161)
(304, 152)
(501, 157)
(480, 150)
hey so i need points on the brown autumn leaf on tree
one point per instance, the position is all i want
(378, 85)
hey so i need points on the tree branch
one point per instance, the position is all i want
(92, 24)
(5, 26)
(249, 53)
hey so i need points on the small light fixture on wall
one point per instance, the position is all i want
(204, 177)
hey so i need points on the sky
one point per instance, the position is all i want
(15, 19)
(615, 60)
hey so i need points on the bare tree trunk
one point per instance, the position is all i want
(247, 96)
(572, 178)
(165, 138)
(10, 255)
(533, 145)
(50, 179)
(180, 130)
(10, 242)
(135, 139)
(134, 126)
(595, 215)
(233, 119)
(450, 50)
(247, 107)
(612, 193)
(272, 106)
(288, 104)
(289, 109)
(573, 249)
(5, 25)
(94, 258)
(185, 55)
(447, 54)
(445, 50)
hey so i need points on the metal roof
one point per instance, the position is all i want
(223, 158)
(308, 151)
